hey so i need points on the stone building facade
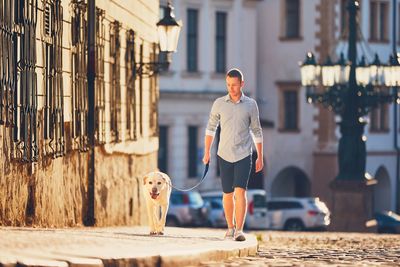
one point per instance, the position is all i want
(44, 142)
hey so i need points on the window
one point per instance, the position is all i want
(130, 85)
(25, 131)
(344, 19)
(100, 129)
(79, 97)
(163, 149)
(192, 40)
(153, 97)
(379, 119)
(379, 24)
(220, 43)
(289, 106)
(290, 109)
(115, 77)
(283, 205)
(292, 19)
(8, 67)
(53, 111)
(192, 151)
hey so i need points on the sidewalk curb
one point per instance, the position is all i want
(118, 246)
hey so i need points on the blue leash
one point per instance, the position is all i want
(193, 187)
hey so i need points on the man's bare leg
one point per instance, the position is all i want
(240, 207)
(229, 208)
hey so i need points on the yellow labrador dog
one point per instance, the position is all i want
(157, 191)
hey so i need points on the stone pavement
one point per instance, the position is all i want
(319, 249)
(117, 246)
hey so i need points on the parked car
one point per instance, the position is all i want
(186, 209)
(297, 214)
(256, 217)
(216, 216)
(388, 222)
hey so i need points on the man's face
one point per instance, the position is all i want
(234, 86)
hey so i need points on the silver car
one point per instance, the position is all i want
(256, 217)
(186, 209)
(297, 214)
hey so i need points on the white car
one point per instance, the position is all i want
(256, 217)
(297, 214)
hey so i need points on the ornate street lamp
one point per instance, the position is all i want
(351, 90)
(168, 30)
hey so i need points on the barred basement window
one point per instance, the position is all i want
(153, 101)
(100, 84)
(25, 134)
(53, 129)
(79, 96)
(7, 63)
(115, 94)
(130, 85)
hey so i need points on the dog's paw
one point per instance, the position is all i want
(160, 233)
(153, 233)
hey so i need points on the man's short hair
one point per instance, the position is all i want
(235, 73)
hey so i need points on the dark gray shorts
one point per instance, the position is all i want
(234, 174)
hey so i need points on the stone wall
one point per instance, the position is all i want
(53, 192)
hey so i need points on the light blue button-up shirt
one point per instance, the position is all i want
(237, 121)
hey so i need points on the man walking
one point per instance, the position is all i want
(237, 116)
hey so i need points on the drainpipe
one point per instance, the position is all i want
(90, 219)
(395, 114)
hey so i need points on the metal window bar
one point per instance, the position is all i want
(7, 63)
(154, 97)
(79, 99)
(53, 131)
(130, 85)
(141, 92)
(100, 103)
(115, 92)
(25, 148)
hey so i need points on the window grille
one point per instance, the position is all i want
(25, 133)
(79, 96)
(100, 84)
(153, 101)
(115, 94)
(53, 110)
(130, 85)
(7, 63)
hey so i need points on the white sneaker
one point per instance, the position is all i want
(239, 236)
(230, 233)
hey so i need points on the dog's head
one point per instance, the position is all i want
(154, 183)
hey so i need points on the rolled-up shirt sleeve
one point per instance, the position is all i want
(255, 125)
(213, 120)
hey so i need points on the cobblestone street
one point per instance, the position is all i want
(320, 249)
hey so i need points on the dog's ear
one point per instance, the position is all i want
(164, 176)
(145, 180)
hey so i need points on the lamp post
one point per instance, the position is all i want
(168, 30)
(351, 90)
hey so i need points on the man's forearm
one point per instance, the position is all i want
(207, 143)
(259, 147)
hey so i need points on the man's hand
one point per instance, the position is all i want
(259, 164)
(206, 158)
